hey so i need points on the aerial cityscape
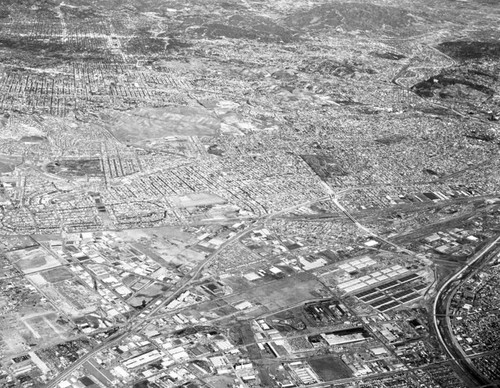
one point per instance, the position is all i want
(248, 193)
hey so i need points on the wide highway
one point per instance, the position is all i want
(441, 319)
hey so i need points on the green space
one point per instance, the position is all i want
(330, 368)
(57, 275)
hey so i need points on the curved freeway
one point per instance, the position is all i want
(441, 319)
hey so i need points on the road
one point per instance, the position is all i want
(134, 326)
(368, 231)
(441, 319)
(137, 322)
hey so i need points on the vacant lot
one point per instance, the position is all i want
(196, 199)
(57, 275)
(32, 259)
(8, 163)
(281, 294)
(330, 368)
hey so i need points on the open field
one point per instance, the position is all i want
(330, 368)
(196, 199)
(153, 123)
(56, 275)
(8, 163)
(282, 294)
(168, 246)
(31, 260)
